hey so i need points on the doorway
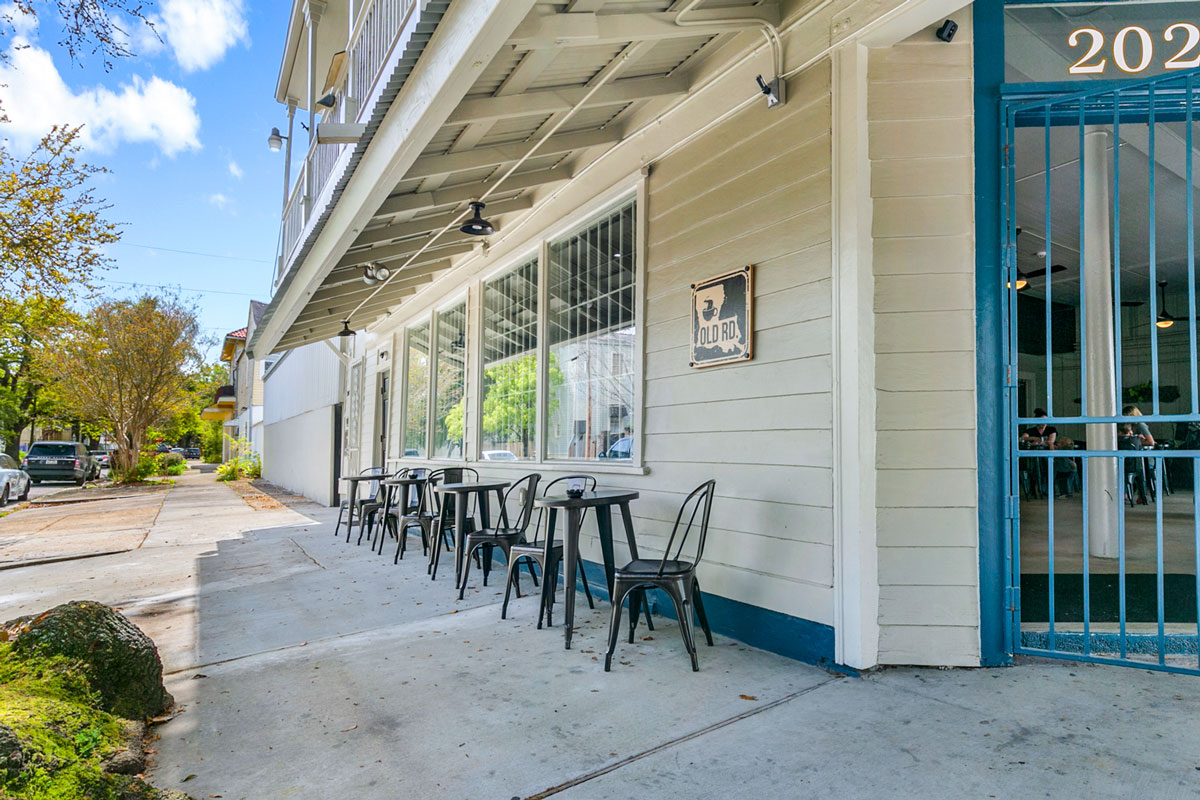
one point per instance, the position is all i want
(1100, 303)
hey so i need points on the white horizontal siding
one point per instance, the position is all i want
(921, 149)
(306, 379)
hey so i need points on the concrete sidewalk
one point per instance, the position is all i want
(307, 667)
(357, 678)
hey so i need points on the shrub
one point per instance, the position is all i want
(245, 463)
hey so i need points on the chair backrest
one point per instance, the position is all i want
(373, 484)
(433, 499)
(527, 484)
(589, 484)
(698, 502)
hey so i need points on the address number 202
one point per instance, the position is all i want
(1187, 57)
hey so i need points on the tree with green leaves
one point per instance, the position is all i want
(28, 391)
(128, 364)
(510, 400)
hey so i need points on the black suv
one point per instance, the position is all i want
(60, 461)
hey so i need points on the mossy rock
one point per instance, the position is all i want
(120, 662)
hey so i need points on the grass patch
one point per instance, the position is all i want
(63, 735)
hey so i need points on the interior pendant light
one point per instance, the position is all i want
(345, 331)
(477, 225)
(1164, 320)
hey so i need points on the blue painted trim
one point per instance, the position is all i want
(989, 332)
(794, 637)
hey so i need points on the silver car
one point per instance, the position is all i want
(14, 481)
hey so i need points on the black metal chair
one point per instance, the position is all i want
(504, 535)
(401, 513)
(344, 506)
(370, 508)
(1135, 473)
(535, 551)
(442, 508)
(674, 576)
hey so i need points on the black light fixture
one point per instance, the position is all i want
(477, 225)
(275, 140)
(328, 101)
(1164, 320)
(345, 331)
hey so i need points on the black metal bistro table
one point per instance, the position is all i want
(602, 500)
(354, 481)
(406, 483)
(462, 493)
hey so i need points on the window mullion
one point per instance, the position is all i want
(541, 401)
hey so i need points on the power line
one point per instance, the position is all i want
(178, 288)
(193, 253)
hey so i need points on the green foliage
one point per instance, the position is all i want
(212, 441)
(510, 401)
(128, 365)
(29, 329)
(52, 228)
(244, 464)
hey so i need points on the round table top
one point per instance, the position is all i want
(463, 488)
(407, 480)
(600, 497)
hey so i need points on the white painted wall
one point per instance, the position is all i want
(921, 149)
(299, 394)
(298, 454)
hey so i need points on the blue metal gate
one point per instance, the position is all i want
(1101, 392)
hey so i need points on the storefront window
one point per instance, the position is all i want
(416, 412)
(449, 403)
(508, 419)
(591, 294)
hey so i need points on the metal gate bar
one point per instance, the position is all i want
(1168, 98)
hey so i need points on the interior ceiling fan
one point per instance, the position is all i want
(1023, 278)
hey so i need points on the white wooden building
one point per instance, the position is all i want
(624, 151)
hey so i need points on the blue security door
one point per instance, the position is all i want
(1101, 391)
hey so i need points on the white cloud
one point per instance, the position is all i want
(219, 200)
(36, 97)
(137, 36)
(235, 170)
(22, 24)
(200, 31)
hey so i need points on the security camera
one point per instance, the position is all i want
(947, 31)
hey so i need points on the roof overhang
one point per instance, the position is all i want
(510, 99)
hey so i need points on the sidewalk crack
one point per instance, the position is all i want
(587, 776)
(306, 553)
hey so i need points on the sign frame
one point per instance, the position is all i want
(741, 282)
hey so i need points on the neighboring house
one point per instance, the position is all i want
(239, 405)
(874, 491)
(302, 421)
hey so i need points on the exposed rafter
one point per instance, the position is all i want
(394, 252)
(507, 153)
(548, 29)
(454, 195)
(344, 283)
(552, 101)
(430, 224)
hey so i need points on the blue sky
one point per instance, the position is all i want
(182, 127)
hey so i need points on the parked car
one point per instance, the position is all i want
(191, 452)
(60, 461)
(102, 457)
(621, 448)
(498, 455)
(14, 481)
(179, 451)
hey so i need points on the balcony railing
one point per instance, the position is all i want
(372, 41)
(371, 44)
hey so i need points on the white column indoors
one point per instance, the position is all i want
(1103, 484)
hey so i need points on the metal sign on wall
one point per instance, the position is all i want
(722, 318)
